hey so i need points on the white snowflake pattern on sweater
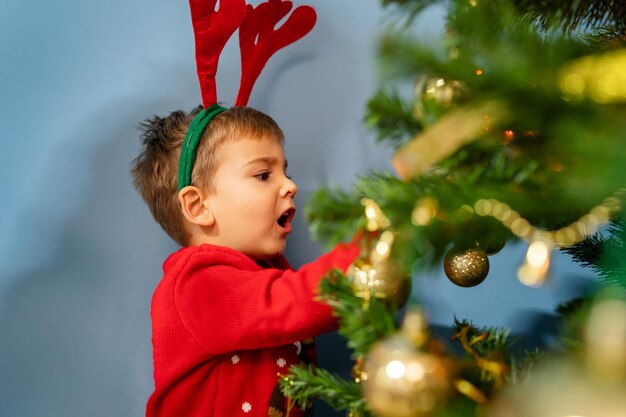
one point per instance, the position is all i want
(234, 359)
(246, 407)
(281, 362)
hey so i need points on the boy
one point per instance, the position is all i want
(229, 313)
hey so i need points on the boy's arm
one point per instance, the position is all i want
(227, 309)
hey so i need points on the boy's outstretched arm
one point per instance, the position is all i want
(227, 302)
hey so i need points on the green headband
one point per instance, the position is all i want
(192, 139)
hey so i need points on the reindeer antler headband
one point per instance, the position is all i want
(258, 41)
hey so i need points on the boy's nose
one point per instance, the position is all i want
(289, 188)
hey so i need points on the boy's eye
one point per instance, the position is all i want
(263, 176)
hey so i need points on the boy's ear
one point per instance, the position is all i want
(192, 205)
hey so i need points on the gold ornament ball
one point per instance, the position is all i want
(466, 267)
(380, 278)
(401, 381)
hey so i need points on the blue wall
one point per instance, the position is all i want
(79, 252)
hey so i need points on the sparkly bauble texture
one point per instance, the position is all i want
(400, 381)
(380, 278)
(466, 267)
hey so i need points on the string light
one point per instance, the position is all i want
(534, 271)
(535, 268)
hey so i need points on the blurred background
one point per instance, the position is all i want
(79, 252)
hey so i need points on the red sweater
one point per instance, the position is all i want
(224, 327)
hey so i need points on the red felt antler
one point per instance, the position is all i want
(212, 29)
(258, 40)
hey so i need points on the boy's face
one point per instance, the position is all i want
(252, 202)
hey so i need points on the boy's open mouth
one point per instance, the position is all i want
(286, 217)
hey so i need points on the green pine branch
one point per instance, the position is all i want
(485, 340)
(303, 384)
(488, 348)
(333, 215)
(362, 326)
(571, 16)
(566, 15)
(575, 313)
(605, 254)
(523, 365)
(392, 118)
(599, 38)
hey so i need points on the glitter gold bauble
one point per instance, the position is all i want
(466, 267)
(401, 381)
(379, 278)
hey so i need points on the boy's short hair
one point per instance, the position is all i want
(155, 170)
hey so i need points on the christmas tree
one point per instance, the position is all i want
(511, 129)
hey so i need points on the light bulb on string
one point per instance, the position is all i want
(534, 271)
